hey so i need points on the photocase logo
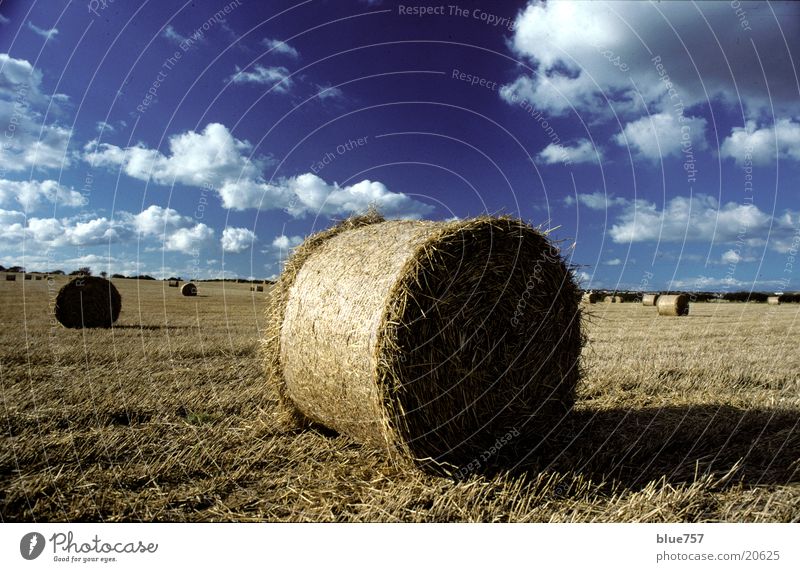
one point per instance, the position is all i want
(31, 545)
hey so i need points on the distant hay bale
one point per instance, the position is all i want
(673, 305)
(649, 299)
(259, 288)
(28, 277)
(88, 302)
(189, 289)
(174, 283)
(38, 277)
(430, 340)
(610, 299)
(618, 299)
(11, 277)
(590, 297)
(773, 300)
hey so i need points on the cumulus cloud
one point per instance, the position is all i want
(764, 145)
(596, 201)
(156, 220)
(661, 134)
(702, 218)
(582, 151)
(279, 47)
(237, 239)
(613, 262)
(208, 158)
(584, 52)
(276, 76)
(47, 34)
(189, 239)
(34, 194)
(29, 142)
(215, 159)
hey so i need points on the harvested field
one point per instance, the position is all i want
(167, 417)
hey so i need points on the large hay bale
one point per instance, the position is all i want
(673, 305)
(649, 299)
(773, 300)
(610, 299)
(618, 299)
(431, 340)
(11, 277)
(88, 302)
(189, 289)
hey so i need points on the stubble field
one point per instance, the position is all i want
(167, 417)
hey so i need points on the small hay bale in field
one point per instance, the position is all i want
(649, 299)
(610, 299)
(174, 283)
(88, 302)
(618, 299)
(38, 277)
(590, 298)
(673, 305)
(28, 277)
(430, 340)
(773, 300)
(189, 289)
(11, 277)
(259, 288)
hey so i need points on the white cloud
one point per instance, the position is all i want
(581, 152)
(613, 262)
(29, 142)
(596, 201)
(188, 239)
(765, 145)
(325, 93)
(156, 220)
(237, 239)
(4, 20)
(34, 194)
(102, 126)
(276, 76)
(172, 34)
(47, 34)
(586, 51)
(730, 257)
(208, 158)
(661, 134)
(278, 47)
(699, 218)
(215, 159)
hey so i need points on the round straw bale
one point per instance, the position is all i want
(618, 299)
(673, 305)
(590, 297)
(11, 277)
(189, 289)
(430, 340)
(773, 300)
(88, 302)
(610, 299)
(649, 299)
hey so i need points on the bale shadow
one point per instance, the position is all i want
(677, 444)
(149, 327)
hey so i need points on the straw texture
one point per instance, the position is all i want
(88, 302)
(649, 299)
(430, 340)
(773, 300)
(673, 305)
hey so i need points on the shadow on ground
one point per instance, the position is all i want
(677, 444)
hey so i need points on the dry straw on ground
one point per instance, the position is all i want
(88, 302)
(673, 305)
(649, 299)
(773, 300)
(189, 289)
(430, 340)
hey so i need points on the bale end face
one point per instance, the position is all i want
(88, 302)
(649, 299)
(189, 289)
(774, 300)
(673, 305)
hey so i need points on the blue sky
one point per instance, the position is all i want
(206, 138)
